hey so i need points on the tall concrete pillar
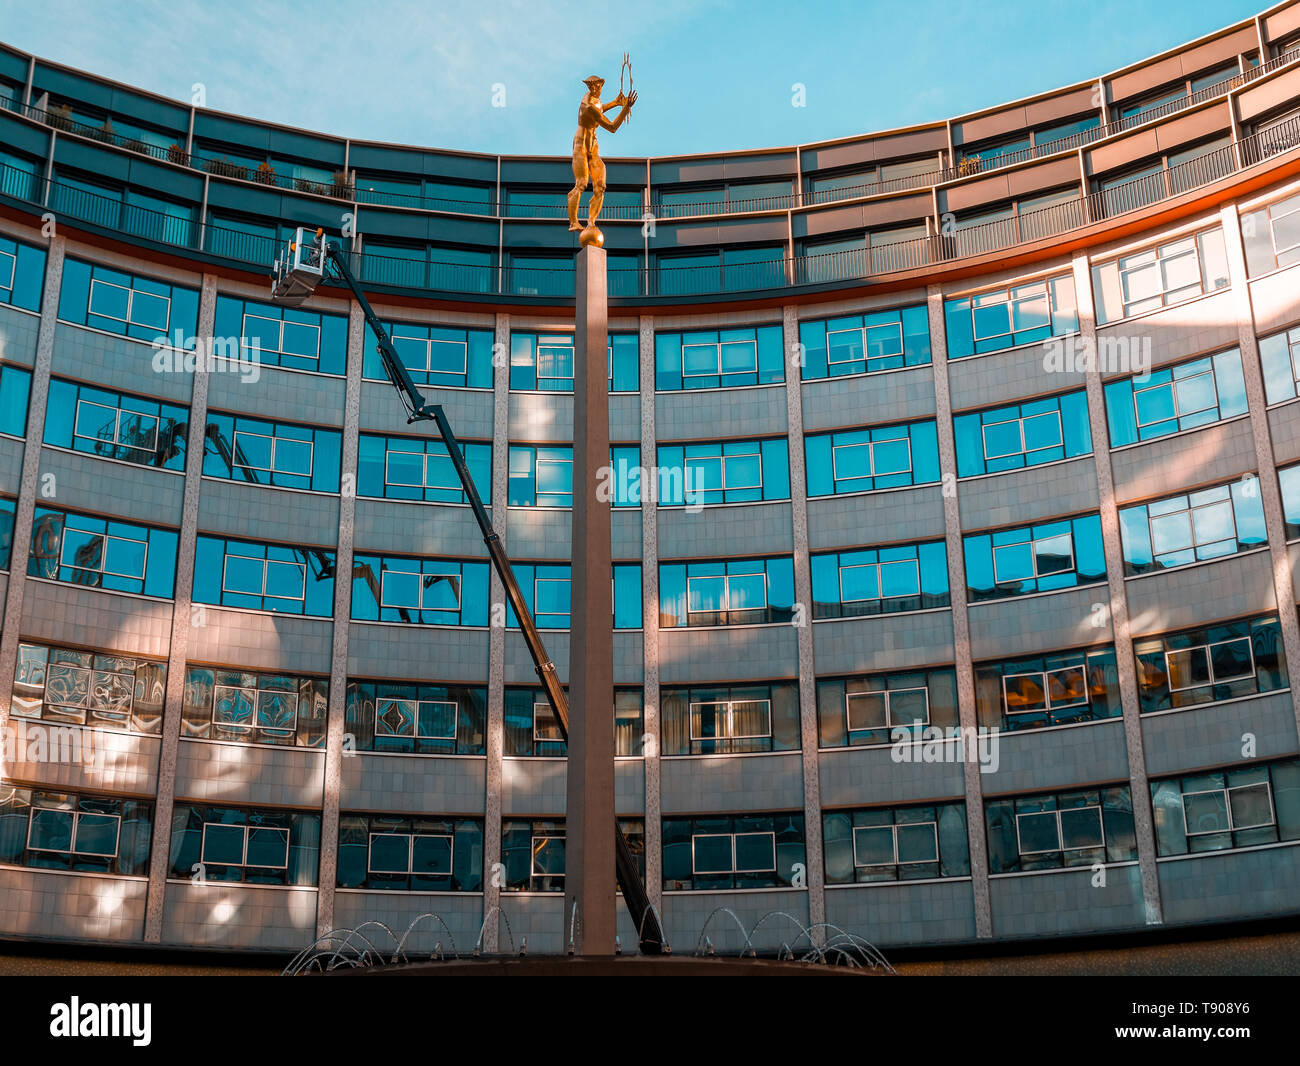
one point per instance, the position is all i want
(589, 879)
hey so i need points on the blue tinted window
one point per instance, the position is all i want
(66, 831)
(548, 594)
(1279, 355)
(262, 847)
(426, 719)
(896, 844)
(908, 577)
(1020, 435)
(15, 388)
(725, 472)
(541, 476)
(731, 592)
(710, 359)
(271, 453)
(1289, 481)
(7, 509)
(1206, 524)
(22, 274)
(419, 468)
(1196, 393)
(732, 851)
(116, 425)
(430, 853)
(435, 355)
(861, 460)
(1040, 558)
(627, 596)
(1002, 318)
(880, 708)
(102, 553)
(128, 304)
(264, 577)
(282, 336)
(863, 344)
(544, 362)
(396, 588)
(1208, 664)
(625, 475)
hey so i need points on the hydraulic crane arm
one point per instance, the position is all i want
(315, 257)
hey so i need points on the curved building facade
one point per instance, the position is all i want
(956, 511)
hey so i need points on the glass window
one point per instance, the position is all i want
(1041, 558)
(1158, 277)
(1206, 524)
(264, 577)
(1289, 481)
(128, 304)
(1046, 690)
(713, 359)
(102, 553)
(531, 728)
(15, 389)
(114, 425)
(895, 843)
(50, 830)
(420, 468)
(864, 344)
(1003, 318)
(68, 687)
(1272, 236)
(393, 588)
(727, 472)
(1209, 664)
(425, 854)
(417, 718)
(435, 355)
(22, 271)
(883, 708)
(1057, 830)
(1195, 393)
(1279, 355)
(544, 362)
(907, 577)
(253, 846)
(254, 708)
(863, 460)
(732, 851)
(541, 476)
(1238, 807)
(725, 719)
(1021, 435)
(283, 336)
(283, 454)
(734, 592)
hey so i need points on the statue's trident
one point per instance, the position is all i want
(626, 68)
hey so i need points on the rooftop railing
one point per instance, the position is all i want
(664, 280)
(340, 186)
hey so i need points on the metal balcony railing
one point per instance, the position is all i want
(953, 243)
(340, 187)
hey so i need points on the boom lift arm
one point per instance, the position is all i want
(296, 275)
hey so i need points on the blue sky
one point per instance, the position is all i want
(712, 74)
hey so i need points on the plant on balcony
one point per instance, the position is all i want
(224, 168)
(176, 154)
(307, 185)
(102, 133)
(341, 188)
(60, 117)
(969, 165)
(133, 145)
(265, 173)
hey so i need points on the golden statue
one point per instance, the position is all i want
(587, 163)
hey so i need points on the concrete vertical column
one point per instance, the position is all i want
(1118, 605)
(336, 722)
(183, 618)
(975, 826)
(25, 509)
(590, 827)
(654, 859)
(1270, 493)
(492, 812)
(809, 733)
